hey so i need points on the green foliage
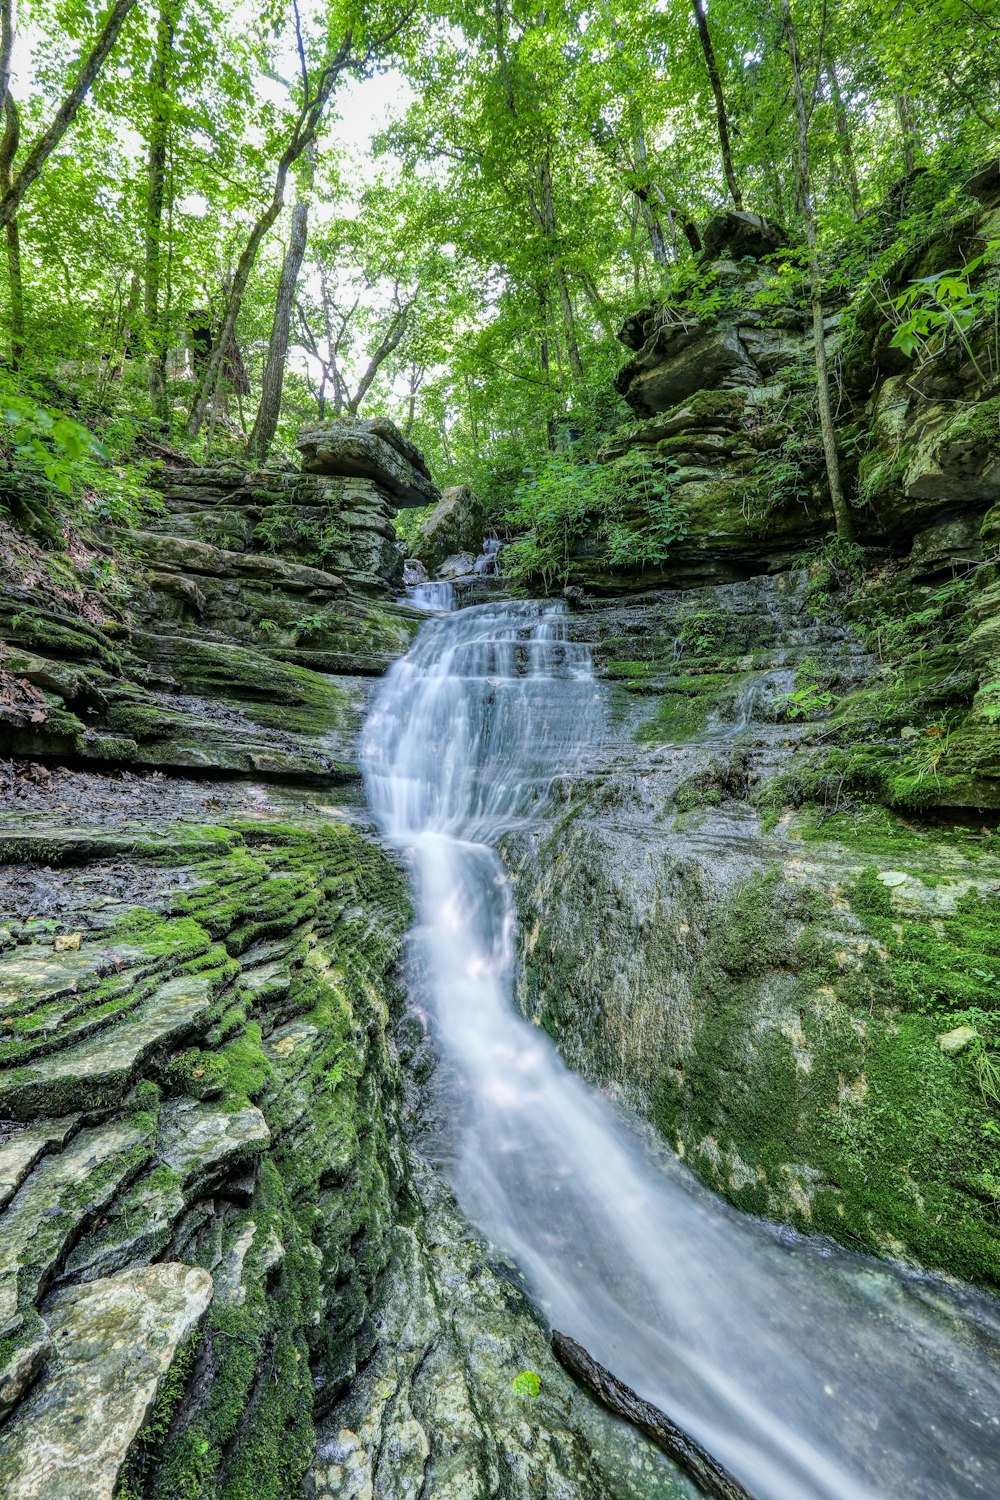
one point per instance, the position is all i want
(806, 702)
(555, 503)
(627, 503)
(937, 308)
(527, 1384)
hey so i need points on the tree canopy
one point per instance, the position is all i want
(197, 254)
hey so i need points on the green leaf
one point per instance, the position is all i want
(527, 1384)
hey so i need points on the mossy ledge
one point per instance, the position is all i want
(252, 1135)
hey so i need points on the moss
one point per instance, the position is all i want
(808, 1060)
(686, 705)
(240, 1069)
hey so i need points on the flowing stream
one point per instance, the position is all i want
(808, 1371)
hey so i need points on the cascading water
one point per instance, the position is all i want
(807, 1371)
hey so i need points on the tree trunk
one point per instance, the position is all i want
(721, 114)
(156, 352)
(844, 137)
(706, 1471)
(303, 135)
(8, 150)
(390, 342)
(841, 510)
(904, 112)
(650, 218)
(545, 214)
(6, 47)
(266, 422)
(46, 143)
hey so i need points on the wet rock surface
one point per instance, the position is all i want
(761, 981)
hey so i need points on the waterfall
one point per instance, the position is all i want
(811, 1373)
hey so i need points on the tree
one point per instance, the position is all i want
(8, 151)
(46, 143)
(159, 125)
(721, 112)
(266, 421)
(842, 514)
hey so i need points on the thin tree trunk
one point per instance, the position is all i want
(46, 143)
(544, 360)
(156, 371)
(303, 136)
(6, 47)
(8, 150)
(544, 209)
(844, 137)
(266, 422)
(721, 114)
(904, 112)
(649, 215)
(841, 511)
(388, 344)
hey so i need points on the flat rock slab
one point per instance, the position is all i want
(113, 1341)
(42, 975)
(20, 1151)
(368, 450)
(92, 1075)
(199, 1141)
(46, 1212)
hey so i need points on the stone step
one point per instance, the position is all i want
(112, 1341)
(38, 975)
(199, 1145)
(201, 1142)
(95, 1074)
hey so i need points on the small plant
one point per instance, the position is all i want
(805, 702)
(527, 1384)
(937, 308)
(310, 624)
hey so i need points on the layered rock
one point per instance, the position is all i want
(725, 928)
(456, 524)
(374, 449)
(723, 394)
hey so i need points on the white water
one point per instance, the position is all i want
(432, 596)
(809, 1372)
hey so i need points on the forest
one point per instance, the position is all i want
(499, 749)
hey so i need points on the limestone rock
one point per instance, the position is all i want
(680, 356)
(459, 565)
(368, 450)
(956, 1040)
(456, 524)
(113, 1341)
(92, 1074)
(737, 235)
(199, 1141)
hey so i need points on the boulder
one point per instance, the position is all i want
(456, 524)
(738, 235)
(681, 357)
(459, 565)
(373, 449)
